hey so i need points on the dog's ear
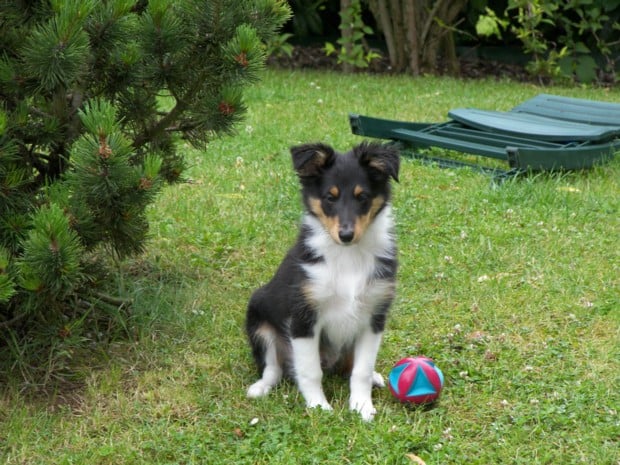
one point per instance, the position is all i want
(309, 160)
(382, 159)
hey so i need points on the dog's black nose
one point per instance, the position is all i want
(346, 234)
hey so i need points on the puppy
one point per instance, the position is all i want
(326, 306)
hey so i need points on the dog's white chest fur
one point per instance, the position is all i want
(344, 285)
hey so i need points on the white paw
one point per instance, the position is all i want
(258, 389)
(319, 403)
(377, 380)
(364, 407)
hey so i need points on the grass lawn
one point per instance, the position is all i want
(513, 290)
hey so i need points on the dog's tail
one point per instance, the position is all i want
(253, 325)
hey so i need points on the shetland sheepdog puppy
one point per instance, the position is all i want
(326, 306)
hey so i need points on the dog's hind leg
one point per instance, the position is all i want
(272, 371)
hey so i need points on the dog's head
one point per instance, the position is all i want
(346, 191)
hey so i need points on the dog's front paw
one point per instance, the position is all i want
(258, 389)
(364, 407)
(319, 403)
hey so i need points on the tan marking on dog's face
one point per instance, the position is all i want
(358, 191)
(362, 222)
(331, 224)
(334, 191)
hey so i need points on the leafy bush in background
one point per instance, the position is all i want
(577, 39)
(85, 142)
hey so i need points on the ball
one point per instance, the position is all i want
(416, 380)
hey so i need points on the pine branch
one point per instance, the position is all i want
(16, 319)
(105, 301)
(116, 301)
(151, 132)
(167, 121)
(34, 158)
(39, 112)
(184, 127)
(58, 157)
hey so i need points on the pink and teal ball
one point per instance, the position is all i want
(416, 380)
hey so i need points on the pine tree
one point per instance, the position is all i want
(95, 96)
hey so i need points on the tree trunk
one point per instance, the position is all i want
(346, 32)
(418, 32)
(399, 34)
(411, 28)
(381, 13)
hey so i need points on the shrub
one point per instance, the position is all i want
(576, 39)
(95, 98)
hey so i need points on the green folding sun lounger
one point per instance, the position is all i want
(544, 133)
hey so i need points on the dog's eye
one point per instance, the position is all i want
(360, 194)
(332, 194)
(362, 197)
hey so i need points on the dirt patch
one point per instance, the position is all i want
(314, 57)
